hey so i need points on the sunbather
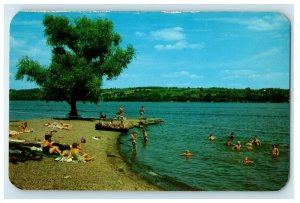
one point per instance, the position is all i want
(77, 154)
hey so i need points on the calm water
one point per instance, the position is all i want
(214, 167)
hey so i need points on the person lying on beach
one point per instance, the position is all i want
(211, 137)
(186, 153)
(63, 126)
(247, 161)
(237, 147)
(77, 154)
(48, 148)
(24, 128)
(275, 151)
(13, 134)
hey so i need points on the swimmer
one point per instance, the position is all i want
(249, 146)
(186, 153)
(275, 151)
(211, 137)
(237, 147)
(247, 161)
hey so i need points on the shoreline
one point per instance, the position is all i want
(108, 172)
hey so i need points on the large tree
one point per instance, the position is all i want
(84, 51)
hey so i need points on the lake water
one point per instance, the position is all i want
(213, 166)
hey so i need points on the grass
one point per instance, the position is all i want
(105, 173)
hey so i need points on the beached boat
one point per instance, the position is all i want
(102, 127)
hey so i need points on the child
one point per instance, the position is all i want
(78, 155)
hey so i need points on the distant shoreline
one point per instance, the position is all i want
(175, 94)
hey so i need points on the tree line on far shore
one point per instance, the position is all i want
(175, 94)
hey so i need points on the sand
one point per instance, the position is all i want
(108, 172)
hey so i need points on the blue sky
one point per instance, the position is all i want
(191, 49)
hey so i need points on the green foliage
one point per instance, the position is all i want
(83, 52)
(162, 94)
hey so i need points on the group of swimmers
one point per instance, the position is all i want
(238, 147)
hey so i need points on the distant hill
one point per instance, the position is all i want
(159, 94)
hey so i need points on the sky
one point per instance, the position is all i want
(187, 49)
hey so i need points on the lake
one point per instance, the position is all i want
(213, 166)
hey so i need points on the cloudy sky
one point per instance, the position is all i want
(204, 49)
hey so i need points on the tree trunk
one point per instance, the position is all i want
(73, 112)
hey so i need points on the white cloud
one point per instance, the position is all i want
(182, 74)
(249, 74)
(265, 23)
(178, 46)
(17, 43)
(169, 34)
(139, 34)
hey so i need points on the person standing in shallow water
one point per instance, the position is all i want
(145, 135)
(133, 141)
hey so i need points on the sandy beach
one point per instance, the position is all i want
(108, 172)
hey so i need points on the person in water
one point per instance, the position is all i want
(247, 161)
(133, 141)
(228, 142)
(145, 135)
(237, 147)
(256, 141)
(249, 146)
(211, 137)
(275, 151)
(231, 136)
(186, 153)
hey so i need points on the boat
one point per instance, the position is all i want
(98, 126)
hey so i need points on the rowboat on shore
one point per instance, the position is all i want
(98, 126)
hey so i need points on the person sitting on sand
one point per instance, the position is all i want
(133, 140)
(237, 147)
(186, 153)
(228, 142)
(247, 161)
(275, 151)
(77, 154)
(256, 141)
(24, 128)
(48, 148)
(145, 135)
(211, 137)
